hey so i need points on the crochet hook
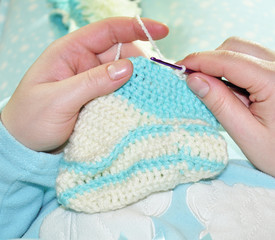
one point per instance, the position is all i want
(189, 71)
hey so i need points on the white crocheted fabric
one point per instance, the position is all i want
(148, 136)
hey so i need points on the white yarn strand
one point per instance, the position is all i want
(119, 45)
(180, 73)
(149, 37)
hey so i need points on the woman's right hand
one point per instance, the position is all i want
(250, 121)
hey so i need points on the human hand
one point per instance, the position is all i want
(249, 121)
(71, 72)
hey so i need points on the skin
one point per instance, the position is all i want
(249, 121)
(75, 69)
(72, 71)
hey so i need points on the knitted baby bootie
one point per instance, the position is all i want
(148, 136)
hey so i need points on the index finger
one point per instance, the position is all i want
(240, 69)
(240, 45)
(100, 36)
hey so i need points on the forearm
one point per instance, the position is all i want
(25, 177)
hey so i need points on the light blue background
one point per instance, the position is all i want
(195, 25)
(25, 31)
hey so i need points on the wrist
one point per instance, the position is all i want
(25, 160)
(23, 135)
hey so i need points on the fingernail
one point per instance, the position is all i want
(198, 86)
(119, 69)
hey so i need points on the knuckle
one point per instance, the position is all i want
(90, 80)
(195, 54)
(227, 54)
(96, 81)
(219, 107)
(230, 42)
(233, 39)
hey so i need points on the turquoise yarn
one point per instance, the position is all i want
(148, 136)
(160, 92)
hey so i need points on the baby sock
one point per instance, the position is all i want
(148, 136)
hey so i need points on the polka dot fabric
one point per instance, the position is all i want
(200, 25)
(149, 136)
(25, 31)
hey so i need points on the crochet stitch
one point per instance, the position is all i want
(148, 136)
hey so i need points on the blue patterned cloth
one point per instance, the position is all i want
(25, 31)
(200, 25)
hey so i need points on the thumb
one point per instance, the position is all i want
(95, 82)
(229, 110)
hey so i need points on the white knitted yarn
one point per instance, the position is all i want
(94, 10)
(148, 35)
(149, 136)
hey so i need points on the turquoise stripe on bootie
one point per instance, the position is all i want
(148, 136)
